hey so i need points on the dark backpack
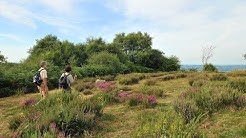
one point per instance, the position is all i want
(63, 81)
(37, 80)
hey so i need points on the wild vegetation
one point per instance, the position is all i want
(190, 104)
(126, 54)
(143, 93)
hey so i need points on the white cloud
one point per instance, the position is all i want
(182, 27)
(60, 6)
(18, 51)
(11, 37)
(16, 13)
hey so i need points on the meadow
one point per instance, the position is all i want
(164, 104)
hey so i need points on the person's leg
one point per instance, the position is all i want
(40, 91)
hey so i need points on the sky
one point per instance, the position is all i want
(178, 27)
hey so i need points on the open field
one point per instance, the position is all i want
(122, 119)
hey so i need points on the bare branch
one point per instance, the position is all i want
(207, 53)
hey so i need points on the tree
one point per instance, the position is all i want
(210, 67)
(106, 59)
(245, 56)
(95, 45)
(207, 53)
(133, 42)
(2, 58)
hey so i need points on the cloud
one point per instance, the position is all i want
(16, 13)
(21, 13)
(60, 6)
(11, 37)
(182, 27)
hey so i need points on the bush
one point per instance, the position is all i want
(169, 126)
(108, 78)
(81, 86)
(219, 77)
(240, 85)
(181, 75)
(187, 109)
(60, 113)
(106, 86)
(152, 90)
(237, 73)
(168, 77)
(150, 82)
(87, 92)
(210, 67)
(106, 59)
(96, 70)
(15, 123)
(130, 79)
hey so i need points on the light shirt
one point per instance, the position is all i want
(43, 73)
(70, 79)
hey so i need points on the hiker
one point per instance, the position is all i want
(67, 79)
(41, 80)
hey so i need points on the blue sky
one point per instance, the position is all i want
(178, 27)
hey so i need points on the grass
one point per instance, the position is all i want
(121, 120)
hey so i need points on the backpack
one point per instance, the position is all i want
(37, 80)
(63, 81)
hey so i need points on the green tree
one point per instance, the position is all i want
(210, 67)
(51, 49)
(171, 64)
(133, 42)
(245, 56)
(95, 45)
(2, 58)
(151, 59)
(106, 59)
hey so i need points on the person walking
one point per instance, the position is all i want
(41, 79)
(66, 80)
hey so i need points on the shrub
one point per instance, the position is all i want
(240, 85)
(199, 83)
(237, 73)
(151, 101)
(152, 90)
(168, 77)
(87, 92)
(108, 78)
(219, 77)
(124, 95)
(169, 126)
(150, 82)
(65, 113)
(28, 102)
(133, 101)
(106, 59)
(81, 86)
(15, 123)
(96, 70)
(241, 101)
(128, 81)
(181, 75)
(210, 67)
(106, 86)
(187, 109)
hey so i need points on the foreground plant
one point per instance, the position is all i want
(60, 115)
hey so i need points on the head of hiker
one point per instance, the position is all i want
(68, 69)
(43, 64)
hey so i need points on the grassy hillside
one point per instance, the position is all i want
(220, 111)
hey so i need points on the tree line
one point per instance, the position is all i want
(127, 53)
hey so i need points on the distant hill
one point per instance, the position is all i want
(222, 68)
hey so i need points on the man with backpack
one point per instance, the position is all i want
(41, 79)
(67, 79)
